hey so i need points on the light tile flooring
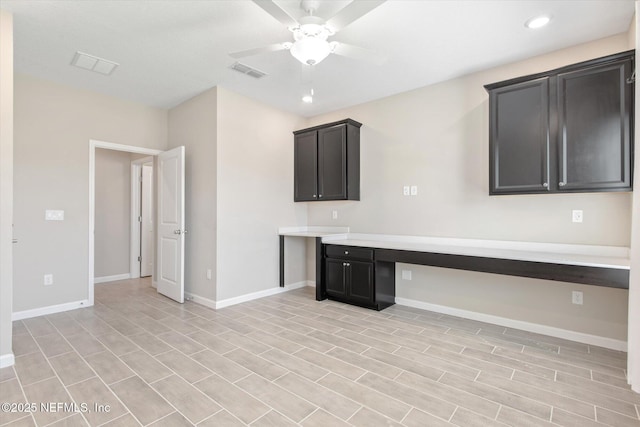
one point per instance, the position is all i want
(289, 360)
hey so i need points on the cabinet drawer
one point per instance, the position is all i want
(349, 252)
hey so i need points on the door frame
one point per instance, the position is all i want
(135, 236)
(93, 144)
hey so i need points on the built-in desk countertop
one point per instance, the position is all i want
(588, 264)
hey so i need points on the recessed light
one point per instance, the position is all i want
(307, 99)
(537, 22)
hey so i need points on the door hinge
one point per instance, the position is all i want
(139, 259)
(139, 219)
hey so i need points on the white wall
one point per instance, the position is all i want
(6, 186)
(194, 125)
(255, 192)
(53, 126)
(436, 137)
(633, 359)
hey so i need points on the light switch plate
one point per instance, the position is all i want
(405, 190)
(53, 215)
(406, 274)
(414, 190)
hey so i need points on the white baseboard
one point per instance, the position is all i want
(200, 300)
(7, 360)
(311, 283)
(518, 324)
(247, 297)
(51, 309)
(113, 278)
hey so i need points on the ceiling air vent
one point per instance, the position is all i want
(245, 69)
(93, 63)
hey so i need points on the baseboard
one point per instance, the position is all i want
(113, 278)
(200, 300)
(245, 298)
(7, 360)
(552, 331)
(51, 309)
(311, 283)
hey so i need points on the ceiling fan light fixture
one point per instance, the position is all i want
(310, 50)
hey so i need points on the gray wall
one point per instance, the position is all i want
(194, 125)
(112, 212)
(6, 184)
(52, 171)
(436, 137)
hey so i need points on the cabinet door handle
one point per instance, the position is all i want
(348, 264)
(561, 184)
(314, 196)
(320, 195)
(346, 252)
(545, 184)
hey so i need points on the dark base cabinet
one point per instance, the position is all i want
(352, 276)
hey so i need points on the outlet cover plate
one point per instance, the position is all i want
(576, 215)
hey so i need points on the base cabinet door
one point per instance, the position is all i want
(335, 280)
(360, 282)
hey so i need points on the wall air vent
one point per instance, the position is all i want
(93, 63)
(245, 69)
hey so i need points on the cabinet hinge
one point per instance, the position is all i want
(632, 79)
(139, 259)
(139, 219)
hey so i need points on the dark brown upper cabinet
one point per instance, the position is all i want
(566, 130)
(327, 162)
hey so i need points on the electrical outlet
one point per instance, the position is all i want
(414, 190)
(208, 274)
(406, 191)
(48, 279)
(334, 214)
(406, 274)
(576, 216)
(576, 297)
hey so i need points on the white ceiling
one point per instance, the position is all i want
(169, 51)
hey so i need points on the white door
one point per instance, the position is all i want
(146, 223)
(171, 231)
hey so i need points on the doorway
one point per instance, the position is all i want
(170, 229)
(93, 146)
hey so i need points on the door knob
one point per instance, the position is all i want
(177, 232)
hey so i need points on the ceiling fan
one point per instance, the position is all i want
(310, 33)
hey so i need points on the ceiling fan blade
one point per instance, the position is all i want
(277, 12)
(359, 53)
(258, 50)
(351, 12)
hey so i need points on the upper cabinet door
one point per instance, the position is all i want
(332, 163)
(305, 168)
(519, 138)
(594, 119)
(327, 162)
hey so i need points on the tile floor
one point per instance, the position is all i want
(137, 358)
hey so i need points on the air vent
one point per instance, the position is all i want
(93, 63)
(245, 69)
